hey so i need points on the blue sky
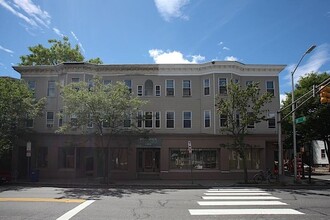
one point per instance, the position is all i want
(173, 31)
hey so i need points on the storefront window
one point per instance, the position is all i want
(66, 157)
(201, 159)
(42, 157)
(252, 160)
(119, 158)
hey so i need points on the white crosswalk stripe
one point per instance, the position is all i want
(223, 199)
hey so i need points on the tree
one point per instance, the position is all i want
(17, 105)
(247, 103)
(112, 106)
(316, 126)
(59, 52)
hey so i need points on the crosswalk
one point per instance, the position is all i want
(241, 201)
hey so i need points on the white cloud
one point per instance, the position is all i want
(28, 11)
(171, 8)
(282, 98)
(314, 63)
(58, 32)
(231, 58)
(79, 43)
(6, 50)
(171, 57)
(225, 48)
(220, 43)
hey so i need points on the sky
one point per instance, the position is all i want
(173, 31)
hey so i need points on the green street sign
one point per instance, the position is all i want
(300, 120)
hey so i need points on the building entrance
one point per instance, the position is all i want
(148, 160)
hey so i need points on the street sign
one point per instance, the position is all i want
(300, 120)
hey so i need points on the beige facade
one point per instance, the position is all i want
(181, 105)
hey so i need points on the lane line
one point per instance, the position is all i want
(240, 198)
(237, 194)
(244, 212)
(246, 203)
(75, 210)
(236, 189)
(41, 200)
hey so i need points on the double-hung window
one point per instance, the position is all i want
(223, 86)
(187, 117)
(186, 88)
(157, 119)
(251, 124)
(271, 120)
(270, 87)
(148, 120)
(128, 83)
(139, 119)
(32, 87)
(170, 119)
(206, 85)
(169, 87)
(207, 119)
(223, 121)
(139, 90)
(157, 92)
(50, 119)
(51, 88)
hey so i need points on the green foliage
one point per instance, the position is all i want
(99, 104)
(248, 104)
(316, 126)
(58, 52)
(16, 103)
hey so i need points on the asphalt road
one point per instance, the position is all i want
(216, 203)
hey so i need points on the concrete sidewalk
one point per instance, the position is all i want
(284, 182)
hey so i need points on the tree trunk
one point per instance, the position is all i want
(245, 168)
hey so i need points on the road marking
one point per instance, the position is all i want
(41, 200)
(75, 210)
(234, 191)
(237, 194)
(240, 198)
(244, 212)
(227, 203)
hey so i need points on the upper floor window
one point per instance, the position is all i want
(207, 119)
(139, 90)
(170, 119)
(139, 119)
(270, 87)
(60, 119)
(127, 120)
(206, 86)
(251, 124)
(51, 88)
(128, 83)
(186, 88)
(148, 88)
(90, 121)
(158, 93)
(75, 80)
(222, 85)
(50, 119)
(323, 153)
(157, 119)
(271, 120)
(148, 120)
(187, 117)
(169, 87)
(29, 121)
(106, 82)
(223, 120)
(248, 83)
(32, 87)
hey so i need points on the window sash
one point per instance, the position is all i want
(170, 122)
(207, 119)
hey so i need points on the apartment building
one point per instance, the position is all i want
(180, 112)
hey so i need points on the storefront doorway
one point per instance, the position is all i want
(148, 160)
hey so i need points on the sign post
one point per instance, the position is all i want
(28, 155)
(190, 158)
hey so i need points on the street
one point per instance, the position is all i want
(137, 203)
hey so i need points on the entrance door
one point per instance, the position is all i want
(148, 160)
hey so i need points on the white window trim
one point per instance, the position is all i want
(50, 125)
(226, 85)
(152, 121)
(220, 122)
(271, 116)
(166, 119)
(273, 86)
(204, 87)
(48, 88)
(160, 90)
(166, 87)
(137, 90)
(160, 121)
(190, 88)
(191, 117)
(209, 111)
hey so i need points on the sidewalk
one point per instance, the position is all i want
(285, 182)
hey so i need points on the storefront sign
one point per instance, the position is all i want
(149, 143)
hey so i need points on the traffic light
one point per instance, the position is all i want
(325, 94)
